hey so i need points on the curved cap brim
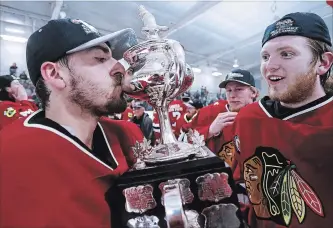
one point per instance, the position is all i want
(119, 41)
(224, 83)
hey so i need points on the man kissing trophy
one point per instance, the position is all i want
(174, 184)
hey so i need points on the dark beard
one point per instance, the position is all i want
(116, 105)
(79, 96)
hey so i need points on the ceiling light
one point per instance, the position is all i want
(196, 70)
(14, 21)
(14, 38)
(216, 74)
(62, 14)
(235, 64)
(14, 30)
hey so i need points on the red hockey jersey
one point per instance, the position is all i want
(176, 109)
(183, 124)
(49, 178)
(10, 111)
(203, 119)
(207, 115)
(286, 163)
(156, 126)
(222, 145)
(127, 114)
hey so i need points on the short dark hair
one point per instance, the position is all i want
(5, 82)
(42, 91)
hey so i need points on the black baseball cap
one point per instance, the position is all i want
(186, 97)
(138, 104)
(309, 25)
(197, 104)
(66, 36)
(5, 81)
(239, 75)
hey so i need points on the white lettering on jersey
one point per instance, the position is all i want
(26, 113)
(175, 108)
(177, 116)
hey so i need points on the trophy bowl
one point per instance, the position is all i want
(160, 74)
(159, 71)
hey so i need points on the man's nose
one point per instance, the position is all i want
(232, 94)
(272, 64)
(117, 68)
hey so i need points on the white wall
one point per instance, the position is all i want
(264, 88)
(11, 52)
(205, 80)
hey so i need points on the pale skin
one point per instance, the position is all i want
(238, 95)
(17, 91)
(101, 79)
(290, 58)
(190, 112)
(138, 111)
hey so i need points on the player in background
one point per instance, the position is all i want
(14, 103)
(128, 114)
(184, 123)
(176, 109)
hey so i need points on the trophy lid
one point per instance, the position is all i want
(150, 27)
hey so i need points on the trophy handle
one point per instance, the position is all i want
(174, 211)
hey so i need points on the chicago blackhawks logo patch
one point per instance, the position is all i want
(227, 152)
(276, 190)
(10, 112)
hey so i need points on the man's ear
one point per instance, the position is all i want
(8, 89)
(51, 74)
(326, 63)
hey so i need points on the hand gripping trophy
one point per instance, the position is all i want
(174, 184)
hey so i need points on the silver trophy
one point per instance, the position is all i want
(160, 74)
(173, 184)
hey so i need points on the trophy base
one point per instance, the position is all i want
(173, 152)
(208, 195)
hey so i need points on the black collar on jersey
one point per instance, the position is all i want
(276, 110)
(100, 148)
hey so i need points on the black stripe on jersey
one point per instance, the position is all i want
(276, 110)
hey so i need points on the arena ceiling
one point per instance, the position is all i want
(215, 34)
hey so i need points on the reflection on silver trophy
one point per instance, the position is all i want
(197, 194)
(160, 74)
